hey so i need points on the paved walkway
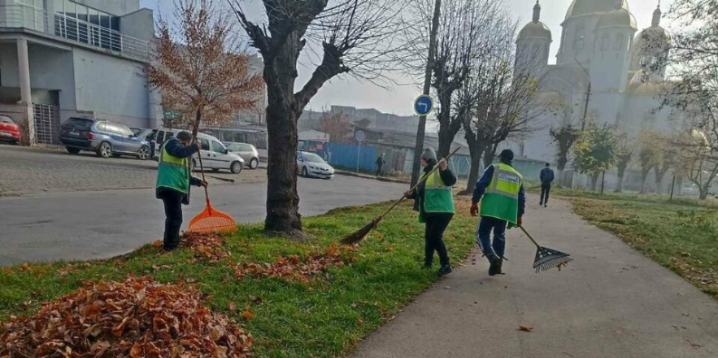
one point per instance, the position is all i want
(611, 302)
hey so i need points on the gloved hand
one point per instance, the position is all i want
(474, 209)
(519, 221)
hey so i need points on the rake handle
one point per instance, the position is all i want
(421, 180)
(201, 166)
(529, 236)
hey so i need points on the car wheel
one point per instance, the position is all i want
(104, 150)
(144, 153)
(305, 172)
(72, 150)
(254, 163)
(236, 167)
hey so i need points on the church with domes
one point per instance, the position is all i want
(606, 71)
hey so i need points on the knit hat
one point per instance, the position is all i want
(429, 154)
(507, 155)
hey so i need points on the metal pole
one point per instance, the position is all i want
(419, 147)
(358, 155)
(673, 185)
(588, 95)
(603, 181)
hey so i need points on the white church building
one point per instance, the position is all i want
(604, 71)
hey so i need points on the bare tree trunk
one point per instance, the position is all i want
(282, 197)
(594, 181)
(659, 179)
(644, 176)
(559, 179)
(621, 174)
(475, 151)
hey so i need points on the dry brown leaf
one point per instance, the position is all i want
(135, 318)
(526, 328)
(248, 315)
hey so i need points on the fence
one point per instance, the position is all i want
(47, 124)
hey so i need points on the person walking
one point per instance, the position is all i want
(503, 201)
(173, 184)
(546, 178)
(436, 208)
(380, 164)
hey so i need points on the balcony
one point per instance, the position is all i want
(72, 29)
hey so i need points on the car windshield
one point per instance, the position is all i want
(124, 130)
(6, 119)
(313, 158)
(78, 123)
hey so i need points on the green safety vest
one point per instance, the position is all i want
(501, 199)
(438, 198)
(173, 172)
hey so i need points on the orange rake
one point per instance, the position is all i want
(210, 220)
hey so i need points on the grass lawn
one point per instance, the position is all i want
(323, 318)
(680, 234)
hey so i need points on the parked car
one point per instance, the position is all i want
(106, 138)
(214, 154)
(9, 130)
(148, 135)
(311, 165)
(247, 151)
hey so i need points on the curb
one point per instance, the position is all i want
(388, 180)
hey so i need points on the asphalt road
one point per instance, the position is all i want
(611, 302)
(100, 224)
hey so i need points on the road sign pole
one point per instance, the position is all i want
(358, 155)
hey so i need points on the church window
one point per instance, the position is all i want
(605, 42)
(580, 37)
(620, 44)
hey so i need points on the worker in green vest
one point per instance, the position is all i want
(173, 183)
(503, 202)
(436, 208)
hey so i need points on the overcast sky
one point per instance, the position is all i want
(399, 100)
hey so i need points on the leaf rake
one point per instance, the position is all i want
(546, 258)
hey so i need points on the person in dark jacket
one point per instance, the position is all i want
(380, 164)
(503, 201)
(546, 178)
(173, 183)
(436, 208)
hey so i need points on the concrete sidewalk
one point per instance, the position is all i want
(611, 302)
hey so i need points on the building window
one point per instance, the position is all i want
(84, 24)
(620, 44)
(580, 37)
(605, 42)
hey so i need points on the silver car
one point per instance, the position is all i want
(103, 137)
(311, 165)
(247, 151)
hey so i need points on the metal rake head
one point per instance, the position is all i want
(547, 259)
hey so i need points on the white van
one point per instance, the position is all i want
(214, 154)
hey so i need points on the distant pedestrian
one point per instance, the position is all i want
(503, 202)
(546, 178)
(436, 203)
(173, 183)
(380, 164)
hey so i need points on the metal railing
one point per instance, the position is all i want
(22, 16)
(47, 123)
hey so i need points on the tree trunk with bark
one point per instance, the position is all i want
(644, 177)
(594, 181)
(621, 174)
(475, 150)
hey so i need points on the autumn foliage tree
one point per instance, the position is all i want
(201, 69)
(336, 125)
(595, 152)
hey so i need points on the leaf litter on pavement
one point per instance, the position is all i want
(135, 318)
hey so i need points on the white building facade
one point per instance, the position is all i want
(66, 58)
(605, 71)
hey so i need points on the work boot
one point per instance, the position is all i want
(495, 261)
(444, 270)
(499, 267)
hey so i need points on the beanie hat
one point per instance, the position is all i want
(429, 154)
(507, 155)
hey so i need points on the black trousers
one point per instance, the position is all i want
(545, 191)
(173, 218)
(434, 235)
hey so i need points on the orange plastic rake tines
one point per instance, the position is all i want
(210, 220)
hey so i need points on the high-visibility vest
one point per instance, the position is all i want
(173, 172)
(501, 199)
(438, 198)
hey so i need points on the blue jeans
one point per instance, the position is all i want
(484, 236)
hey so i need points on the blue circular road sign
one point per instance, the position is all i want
(423, 105)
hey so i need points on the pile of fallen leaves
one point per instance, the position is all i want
(293, 268)
(207, 246)
(136, 318)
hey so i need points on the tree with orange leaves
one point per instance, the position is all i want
(202, 69)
